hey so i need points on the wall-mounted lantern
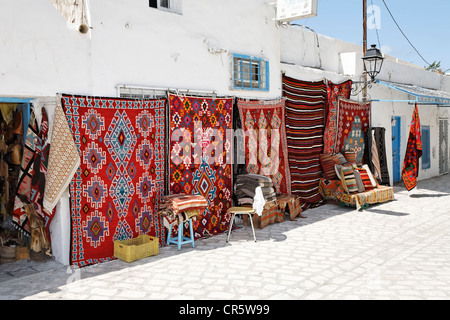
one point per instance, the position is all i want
(373, 61)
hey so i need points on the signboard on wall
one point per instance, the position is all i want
(288, 10)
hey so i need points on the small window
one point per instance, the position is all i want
(426, 161)
(166, 5)
(250, 73)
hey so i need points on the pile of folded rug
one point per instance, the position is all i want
(246, 185)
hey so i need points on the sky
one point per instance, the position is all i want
(425, 23)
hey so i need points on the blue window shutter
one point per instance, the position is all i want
(426, 160)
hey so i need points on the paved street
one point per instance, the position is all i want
(397, 250)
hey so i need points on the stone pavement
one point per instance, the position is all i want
(397, 250)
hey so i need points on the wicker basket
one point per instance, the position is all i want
(22, 253)
(134, 249)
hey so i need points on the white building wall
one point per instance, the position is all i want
(144, 46)
(131, 43)
(40, 55)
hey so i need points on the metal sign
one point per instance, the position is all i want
(288, 10)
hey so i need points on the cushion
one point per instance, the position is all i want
(350, 156)
(372, 179)
(339, 158)
(337, 169)
(348, 179)
(327, 163)
(367, 178)
(359, 181)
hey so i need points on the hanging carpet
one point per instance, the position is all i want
(265, 141)
(353, 121)
(335, 91)
(305, 104)
(379, 136)
(375, 155)
(63, 161)
(115, 192)
(410, 170)
(33, 173)
(200, 157)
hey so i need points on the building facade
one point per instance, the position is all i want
(138, 48)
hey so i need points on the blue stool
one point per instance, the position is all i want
(180, 239)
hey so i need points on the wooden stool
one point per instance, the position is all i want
(241, 210)
(180, 239)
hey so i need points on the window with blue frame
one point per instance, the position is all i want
(426, 159)
(250, 73)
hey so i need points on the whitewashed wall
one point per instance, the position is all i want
(131, 43)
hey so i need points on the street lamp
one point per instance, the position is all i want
(373, 61)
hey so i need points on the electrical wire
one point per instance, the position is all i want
(376, 28)
(404, 33)
(317, 40)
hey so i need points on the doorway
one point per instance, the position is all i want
(396, 144)
(443, 146)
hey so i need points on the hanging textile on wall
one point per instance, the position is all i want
(33, 174)
(305, 103)
(335, 91)
(63, 161)
(265, 142)
(379, 135)
(410, 170)
(115, 192)
(353, 121)
(200, 156)
(375, 156)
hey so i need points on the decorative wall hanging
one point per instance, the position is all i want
(410, 170)
(305, 103)
(200, 156)
(63, 161)
(32, 179)
(265, 141)
(116, 190)
(335, 91)
(353, 121)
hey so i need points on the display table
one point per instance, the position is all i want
(334, 191)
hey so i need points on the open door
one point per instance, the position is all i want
(443, 146)
(396, 144)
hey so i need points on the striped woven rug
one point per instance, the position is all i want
(305, 122)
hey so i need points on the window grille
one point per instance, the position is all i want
(250, 73)
(140, 92)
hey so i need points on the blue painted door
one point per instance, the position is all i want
(396, 138)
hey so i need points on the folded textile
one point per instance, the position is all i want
(254, 177)
(186, 202)
(247, 184)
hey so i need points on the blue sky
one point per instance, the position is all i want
(425, 23)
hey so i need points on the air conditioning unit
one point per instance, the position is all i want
(288, 10)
